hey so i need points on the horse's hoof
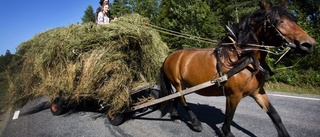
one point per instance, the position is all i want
(177, 121)
(229, 135)
(198, 128)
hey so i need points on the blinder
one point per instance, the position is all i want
(285, 43)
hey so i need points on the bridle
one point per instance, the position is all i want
(285, 42)
(282, 50)
(285, 47)
(267, 25)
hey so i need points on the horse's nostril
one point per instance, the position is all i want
(307, 46)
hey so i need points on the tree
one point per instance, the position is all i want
(193, 17)
(5, 60)
(119, 8)
(146, 8)
(89, 15)
(236, 9)
(308, 15)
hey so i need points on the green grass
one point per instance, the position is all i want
(292, 89)
(3, 92)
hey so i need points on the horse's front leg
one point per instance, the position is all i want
(232, 102)
(262, 99)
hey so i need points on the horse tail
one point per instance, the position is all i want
(166, 89)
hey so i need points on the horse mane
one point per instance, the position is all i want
(245, 32)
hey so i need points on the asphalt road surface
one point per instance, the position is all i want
(300, 115)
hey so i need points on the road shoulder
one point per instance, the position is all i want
(4, 119)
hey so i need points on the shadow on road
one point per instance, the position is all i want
(38, 108)
(84, 106)
(209, 115)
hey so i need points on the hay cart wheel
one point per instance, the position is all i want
(116, 120)
(155, 94)
(58, 107)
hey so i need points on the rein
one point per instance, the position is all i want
(179, 34)
(210, 41)
(284, 48)
(282, 52)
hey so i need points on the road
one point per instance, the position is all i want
(300, 115)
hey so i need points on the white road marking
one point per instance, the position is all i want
(16, 115)
(287, 96)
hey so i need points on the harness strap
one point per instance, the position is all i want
(218, 67)
(244, 62)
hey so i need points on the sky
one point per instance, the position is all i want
(21, 19)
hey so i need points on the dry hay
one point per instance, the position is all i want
(102, 62)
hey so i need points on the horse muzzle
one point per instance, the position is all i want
(304, 47)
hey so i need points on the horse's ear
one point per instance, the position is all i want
(285, 4)
(264, 5)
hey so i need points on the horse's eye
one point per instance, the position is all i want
(280, 21)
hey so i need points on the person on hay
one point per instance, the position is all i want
(102, 17)
(103, 13)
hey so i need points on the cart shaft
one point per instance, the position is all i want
(181, 93)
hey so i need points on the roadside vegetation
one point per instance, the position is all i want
(5, 60)
(281, 87)
(3, 92)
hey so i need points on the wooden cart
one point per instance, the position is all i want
(143, 97)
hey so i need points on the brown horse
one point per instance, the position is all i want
(243, 61)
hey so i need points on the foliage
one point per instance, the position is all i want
(235, 9)
(195, 18)
(89, 15)
(120, 8)
(3, 92)
(5, 60)
(297, 77)
(146, 8)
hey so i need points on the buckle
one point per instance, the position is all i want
(220, 80)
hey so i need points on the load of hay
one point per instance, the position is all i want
(101, 62)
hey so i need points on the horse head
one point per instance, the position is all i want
(280, 29)
(269, 26)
